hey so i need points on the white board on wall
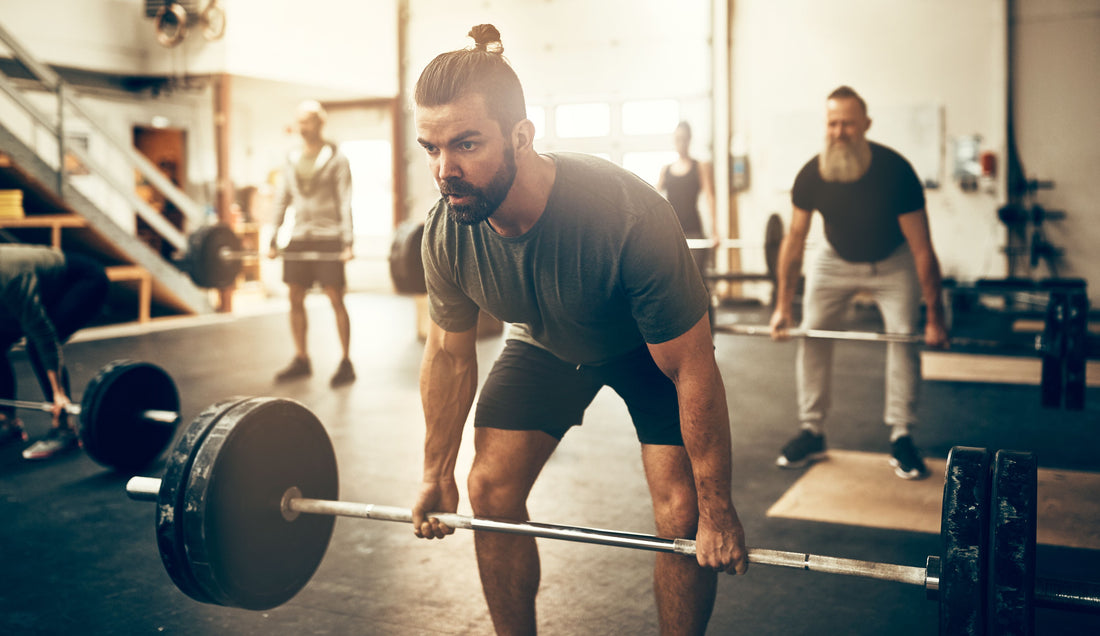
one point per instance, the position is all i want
(916, 131)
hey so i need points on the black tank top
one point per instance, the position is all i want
(683, 194)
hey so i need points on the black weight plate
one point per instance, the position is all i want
(1050, 384)
(1076, 350)
(1012, 524)
(964, 529)
(406, 266)
(241, 550)
(205, 263)
(112, 429)
(170, 500)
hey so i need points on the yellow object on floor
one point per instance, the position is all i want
(860, 489)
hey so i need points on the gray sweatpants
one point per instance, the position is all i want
(831, 282)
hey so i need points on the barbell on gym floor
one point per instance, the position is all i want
(1063, 356)
(247, 504)
(863, 336)
(127, 415)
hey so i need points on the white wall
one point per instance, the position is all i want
(1058, 121)
(345, 45)
(904, 58)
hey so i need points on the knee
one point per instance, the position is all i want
(491, 496)
(676, 513)
(297, 298)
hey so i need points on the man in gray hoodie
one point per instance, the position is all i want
(317, 184)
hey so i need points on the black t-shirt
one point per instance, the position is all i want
(861, 218)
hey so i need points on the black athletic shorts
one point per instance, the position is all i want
(329, 273)
(530, 389)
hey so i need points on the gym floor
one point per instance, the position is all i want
(78, 556)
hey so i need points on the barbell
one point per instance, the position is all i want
(247, 505)
(1062, 346)
(215, 256)
(127, 415)
(862, 336)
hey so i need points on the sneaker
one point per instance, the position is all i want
(11, 431)
(803, 450)
(345, 374)
(906, 460)
(298, 368)
(57, 441)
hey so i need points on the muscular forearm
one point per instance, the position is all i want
(447, 387)
(705, 424)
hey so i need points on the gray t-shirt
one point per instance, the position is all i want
(604, 270)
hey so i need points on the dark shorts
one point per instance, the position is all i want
(328, 273)
(529, 389)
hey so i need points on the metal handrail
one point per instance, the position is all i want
(52, 81)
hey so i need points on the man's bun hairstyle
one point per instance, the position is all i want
(481, 70)
(487, 38)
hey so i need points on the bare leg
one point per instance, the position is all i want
(506, 464)
(343, 322)
(298, 321)
(685, 592)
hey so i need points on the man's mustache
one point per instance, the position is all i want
(456, 188)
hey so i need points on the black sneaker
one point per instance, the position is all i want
(11, 431)
(803, 450)
(906, 459)
(298, 368)
(59, 440)
(345, 374)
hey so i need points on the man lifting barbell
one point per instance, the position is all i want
(877, 241)
(317, 183)
(45, 297)
(590, 267)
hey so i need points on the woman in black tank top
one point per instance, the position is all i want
(682, 181)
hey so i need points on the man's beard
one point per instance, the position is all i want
(844, 162)
(485, 201)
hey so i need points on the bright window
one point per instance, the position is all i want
(650, 117)
(583, 120)
(647, 165)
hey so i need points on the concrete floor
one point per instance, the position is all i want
(79, 557)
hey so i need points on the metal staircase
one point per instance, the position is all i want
(100, 202)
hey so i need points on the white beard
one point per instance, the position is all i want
(844, 163)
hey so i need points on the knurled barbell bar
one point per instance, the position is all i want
(247, 504)
(127, 415)
(1060, 348)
